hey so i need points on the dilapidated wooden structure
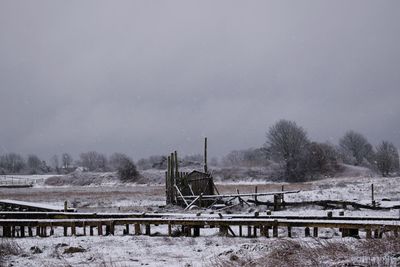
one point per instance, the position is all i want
(180, 185)
(197, 188)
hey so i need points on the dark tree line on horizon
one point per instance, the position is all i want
(13, 163)
(301, 158)
(287, 145)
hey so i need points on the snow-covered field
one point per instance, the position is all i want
(209, 249)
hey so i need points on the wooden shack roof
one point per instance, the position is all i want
(198, 172)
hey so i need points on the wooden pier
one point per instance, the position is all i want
(16, 205)
(237, 225)
(263, 215)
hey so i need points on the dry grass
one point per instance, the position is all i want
(318, 253)
(8, 248)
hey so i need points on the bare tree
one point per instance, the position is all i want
(12, 163)
(157, 162)
(321, 159)
(55, 164)
(94, 161)
(233, 158)
(287, 142)
(248, 157)
(117, 160)
(356, 148)
(387, 158)
(66, 161)
(34, 164)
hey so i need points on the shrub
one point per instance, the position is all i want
(127, 171)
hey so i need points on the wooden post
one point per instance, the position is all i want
(249, 231)
(126, 229)
(137, 229)
(255, 196)
(6, 231)
(289, 231)
(196, 231)
(240, 231)
(266, 231)
(169, 230)
(376, 233)
(73, 229)
(112, 227)
(91, 230)
(275, 229)
(315, 232)
(30, 233)
(240, 199)
(188, 231)
(148, 229)
(205, 155)
(22, 229)
(368, 233)
(172, 165)
(65, 206)
(372, 195)
(276, 204)
(100, 229)
(307, 232)
(176, 164)
(169, 179)
(254, 231)
(167, 196)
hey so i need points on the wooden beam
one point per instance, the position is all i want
(191, 203)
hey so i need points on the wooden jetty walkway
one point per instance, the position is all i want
(261, 215)
(191, 225)
(16, 205)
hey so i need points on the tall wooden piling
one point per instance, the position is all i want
(176, 164)
(205, 155)
(372, 195)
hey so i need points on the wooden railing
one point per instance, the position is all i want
(11, 180)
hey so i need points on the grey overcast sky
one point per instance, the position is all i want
(146, 77)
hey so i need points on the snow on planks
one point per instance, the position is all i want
(256, 226)
(12, 205)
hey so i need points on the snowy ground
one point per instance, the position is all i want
(209, 249)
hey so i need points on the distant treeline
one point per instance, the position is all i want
(299, 158)
(13, 163)
(287, 145)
